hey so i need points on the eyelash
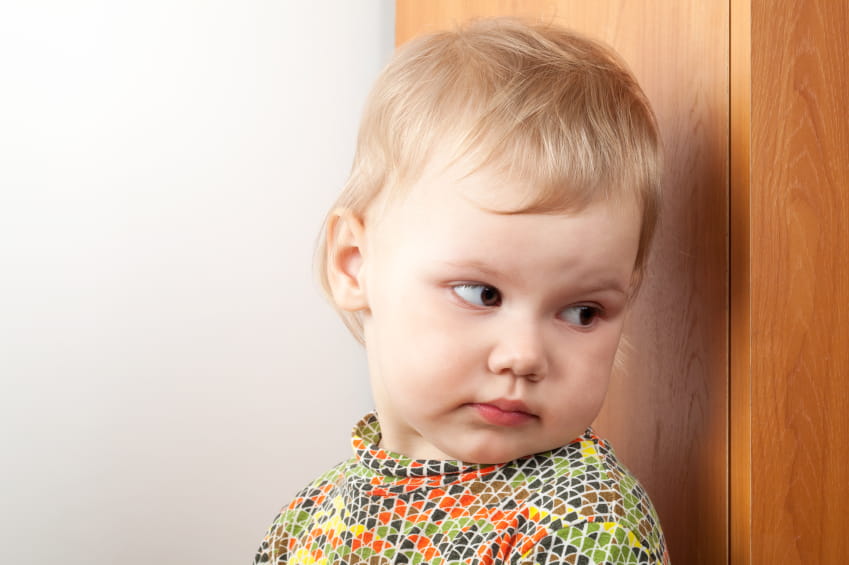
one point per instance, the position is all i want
(596, 311)
(484, 287)
(596, 314)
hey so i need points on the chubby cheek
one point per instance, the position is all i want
(570, 417)
(604, 345)
(429, 357)
(588, 370)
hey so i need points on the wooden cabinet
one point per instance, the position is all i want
(733, 406)
(790, 282)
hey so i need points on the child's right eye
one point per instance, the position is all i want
(478, 294)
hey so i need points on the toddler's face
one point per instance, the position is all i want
(491, 336)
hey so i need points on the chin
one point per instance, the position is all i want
(486, 455)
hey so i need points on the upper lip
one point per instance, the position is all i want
(507, 405)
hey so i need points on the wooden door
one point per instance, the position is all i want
(667, 414)
(790, 282)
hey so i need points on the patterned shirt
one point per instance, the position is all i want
(576, 504)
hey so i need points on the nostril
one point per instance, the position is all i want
(532, 375)
(531, 367)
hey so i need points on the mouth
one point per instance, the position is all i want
(507, 413)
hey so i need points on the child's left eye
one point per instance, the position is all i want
(478, 294)
(583, 315)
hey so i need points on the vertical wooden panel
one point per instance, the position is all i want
(740, 438)
(667, 414)
(800, 281)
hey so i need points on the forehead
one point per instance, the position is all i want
(502, 186)
(456, 216)
(454, 183)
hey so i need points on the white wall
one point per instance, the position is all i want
(169, 374)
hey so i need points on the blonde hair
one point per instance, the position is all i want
(540, 103)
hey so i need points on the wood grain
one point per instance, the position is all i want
(800, 281)
(740, 330)
(667, 414)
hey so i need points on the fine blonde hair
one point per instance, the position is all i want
(542, 104)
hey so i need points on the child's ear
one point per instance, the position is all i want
(345, 246)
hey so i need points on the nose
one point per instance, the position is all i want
(519, 350)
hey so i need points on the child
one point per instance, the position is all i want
(485, 250)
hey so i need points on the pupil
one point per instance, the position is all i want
(489, 296)
(586, 315)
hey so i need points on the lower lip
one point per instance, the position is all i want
(499, 417)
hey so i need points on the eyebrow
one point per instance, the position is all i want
(606, 284)
(609, 285)
(474, 265)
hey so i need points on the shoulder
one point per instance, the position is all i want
(315, 499)
(319, 492)
(316, 491)
(589, 504)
